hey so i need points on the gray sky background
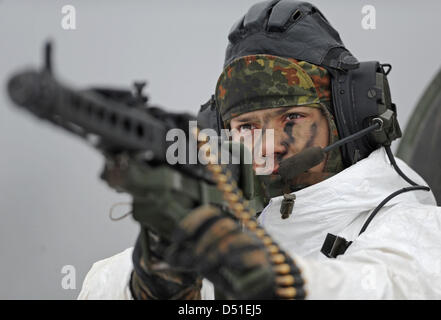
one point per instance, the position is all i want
(53, 207)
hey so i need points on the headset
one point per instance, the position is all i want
(360, 90)
(362, 107)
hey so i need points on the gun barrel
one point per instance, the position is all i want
(118, 126)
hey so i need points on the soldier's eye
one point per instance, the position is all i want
(246, 127)
(293, 116)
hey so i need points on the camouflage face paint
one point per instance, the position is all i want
(312, 136)
(288, 130)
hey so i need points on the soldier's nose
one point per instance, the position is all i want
(272, 142)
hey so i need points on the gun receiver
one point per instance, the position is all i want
(120, 120)
(114, 121)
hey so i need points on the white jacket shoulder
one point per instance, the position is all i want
(397, 257)
(108, 279)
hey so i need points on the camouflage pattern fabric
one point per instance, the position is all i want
(152, 279)
(262, 81)
(233, 259)
(164, 285)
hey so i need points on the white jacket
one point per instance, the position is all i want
(397, 257)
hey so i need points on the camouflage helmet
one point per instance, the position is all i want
(261, 81)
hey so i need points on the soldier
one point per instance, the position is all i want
(352, 233)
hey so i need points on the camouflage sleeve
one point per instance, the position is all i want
(153, 279)
(232, 258)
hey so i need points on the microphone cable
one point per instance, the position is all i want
(414, 187)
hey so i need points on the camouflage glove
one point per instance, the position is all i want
(153, 279)
(236, 261)
(162, 197)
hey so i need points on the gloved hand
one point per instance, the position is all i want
(182, 238)
(240, 264)
(162, 196)
(153, 279)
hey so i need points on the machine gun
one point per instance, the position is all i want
(121, 122)
(113, 120)
(132, 137)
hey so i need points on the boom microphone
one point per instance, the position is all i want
(299, 163)
(310, 157)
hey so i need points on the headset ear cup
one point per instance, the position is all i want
(387, 113)
(338, 78)
(360, 96)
